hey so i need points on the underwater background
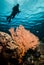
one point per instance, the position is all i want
(31, 15)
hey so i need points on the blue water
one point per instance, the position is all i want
(31, 15)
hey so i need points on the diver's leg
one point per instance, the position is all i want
(8, 17)
(13, 15)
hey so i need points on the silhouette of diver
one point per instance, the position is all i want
(14, 12)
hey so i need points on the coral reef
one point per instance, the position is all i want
(7, 48)
(18, 49)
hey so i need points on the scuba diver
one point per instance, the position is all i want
(15, 11)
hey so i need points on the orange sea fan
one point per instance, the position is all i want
(24, 39)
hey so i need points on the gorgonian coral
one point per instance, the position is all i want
(24, 39)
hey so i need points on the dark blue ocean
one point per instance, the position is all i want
(31, 15)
